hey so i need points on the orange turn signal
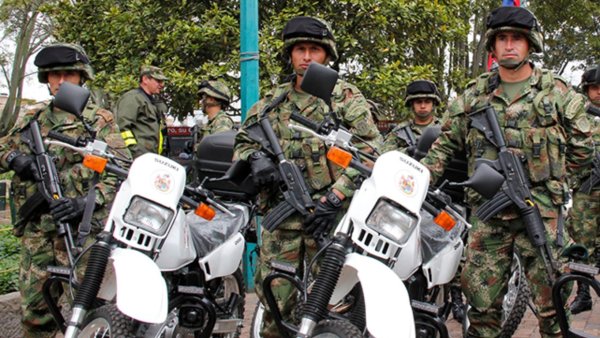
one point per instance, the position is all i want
(205, 211)
(444, 220)
(339, 157)
(96, 163)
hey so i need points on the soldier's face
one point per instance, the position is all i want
(422, 106)
(593, 92)
(304, 52)
(152, 85)
(57, 77)
(511, 47)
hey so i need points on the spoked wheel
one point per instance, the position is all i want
(107, 321)
(516, 299)
(336, 329)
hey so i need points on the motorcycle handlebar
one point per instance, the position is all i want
(66, 139)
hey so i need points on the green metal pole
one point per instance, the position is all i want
(249, 53)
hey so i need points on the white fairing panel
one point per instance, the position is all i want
(225, 259)
(178, 249)
(141, 290)
(442, 267)
(387, 305)
(410, 258)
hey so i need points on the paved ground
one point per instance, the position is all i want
(9, 320)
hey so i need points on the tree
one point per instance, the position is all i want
(191, 40)
(28, 28)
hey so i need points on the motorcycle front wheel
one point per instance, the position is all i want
(107, 321)
(257, 320)
(516, 299)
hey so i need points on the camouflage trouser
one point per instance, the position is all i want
(583, 222)
(40, 247)
(283, 245)
(487, 271)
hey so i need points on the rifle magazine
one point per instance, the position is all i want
(277, 215)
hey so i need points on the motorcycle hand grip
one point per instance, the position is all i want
(64, 138)
(305, 121)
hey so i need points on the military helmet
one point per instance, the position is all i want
(63, 56)
(422, 89)
(590, 77)
(513, 18)
(305, 28)
(216, 89)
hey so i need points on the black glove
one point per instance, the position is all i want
(322, 219)
(23, 165)
(67, 209)
(264, 171)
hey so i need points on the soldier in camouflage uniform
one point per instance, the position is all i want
(36, 220)
(585, 212)
(141, 114)
(215, 99)
(541, 123)
(305, 39)
(422, 98)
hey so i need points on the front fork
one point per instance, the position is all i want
(88, 290)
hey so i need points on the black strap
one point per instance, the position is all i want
(86, 221)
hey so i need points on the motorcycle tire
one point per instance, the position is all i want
(107, 321)
(257, 320)
(516, 299)
(336, 329)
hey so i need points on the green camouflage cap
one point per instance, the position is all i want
(216, 89)
(63, 56)
(153, 72)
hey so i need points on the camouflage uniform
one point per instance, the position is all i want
(288, 243)
(141, 118)
(40, 245)
(585, 212)
(219, 123)
(544, 127)
(394, 141)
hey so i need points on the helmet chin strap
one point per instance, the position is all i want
(514, 66)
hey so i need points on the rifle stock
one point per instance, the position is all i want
(515, 190)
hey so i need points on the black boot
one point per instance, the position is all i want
(583, 301)
(458, 308)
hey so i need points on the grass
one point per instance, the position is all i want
(9, 260)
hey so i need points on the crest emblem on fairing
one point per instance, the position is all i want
(163, 182)
(407, 184)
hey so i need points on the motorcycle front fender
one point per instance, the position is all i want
(140, 288)
(387, 305)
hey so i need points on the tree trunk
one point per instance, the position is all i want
(15, 92)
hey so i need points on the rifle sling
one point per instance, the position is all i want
(86, 221)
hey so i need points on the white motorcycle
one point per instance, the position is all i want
(154, 270)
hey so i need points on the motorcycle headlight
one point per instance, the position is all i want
(391, 220)
(148, 215)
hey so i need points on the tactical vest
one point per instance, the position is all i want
(308, 152)
(532, 127)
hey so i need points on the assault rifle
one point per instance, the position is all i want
(296, 194)
(594, 178)
(515, 189)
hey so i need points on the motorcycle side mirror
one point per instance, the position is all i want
(71, 98)
(429, 135)
(485, 180)
(319, 80)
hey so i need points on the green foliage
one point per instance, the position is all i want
(571, 31)
(9, 260)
